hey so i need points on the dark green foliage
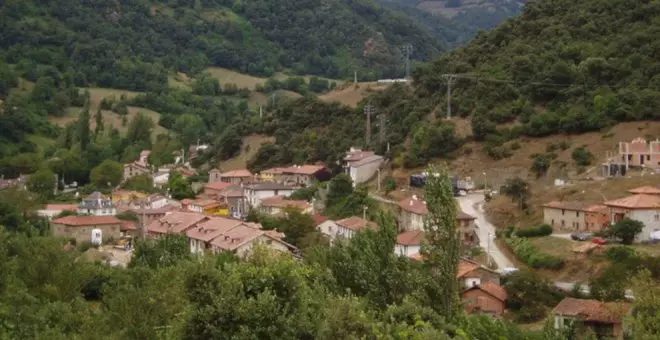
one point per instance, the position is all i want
(165, 252)
(530, 296)
(305, 194)
(543, 230)
(42, 183)
(626, 230)
(180, 187)
(532, 255)
(541, 163)
(107, 174)
(142, 183)
(582, 156)
(517, 190)
(620, 253)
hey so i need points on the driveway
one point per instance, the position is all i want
(473, 204)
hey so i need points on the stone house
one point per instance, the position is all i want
(201, 235)
(175, 222)
(133, 169)
(607, 320)
(413, 211)
(80, 227)
(215, 188)
(486, 298)
(256, 192)
(641, 207)
(361, 165)
(346, 228)
(639, 152)
(235, 176)
(277, 204)
(242, 239)
(298, 175)
(409, 243)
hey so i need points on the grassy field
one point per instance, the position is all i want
(227, 76)
(556, 246)
(179, 81)
(250, 147)
(350, 94)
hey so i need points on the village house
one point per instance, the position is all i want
(596, 217)
(565, 215)
(215, 188)
(133, 169)
(361, 166)
(149, 215)
(412, 212)
(639, 152)
(241, 239)
(235, 176)
(125, 195)
(640, 207)
(604, 319)
(645, 190)
(257, 192)
(299, 175)
(208, 207)
(52, 210)
(80, 227)
(129, 228)
(346, 228)
(277, 204)
(97, 205)
(201, 235)
(175, 222)
(408, 243)
(235, 200)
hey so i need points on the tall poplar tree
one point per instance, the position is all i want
(83, 127)
(441, 250)
(99, 122)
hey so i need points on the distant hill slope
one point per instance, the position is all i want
(132, 44)
(471, 15)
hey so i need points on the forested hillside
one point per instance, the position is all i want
(131, 44)
(561, 67)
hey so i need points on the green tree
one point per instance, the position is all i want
(530, 295)
(517, 190)
(190, 128)
(228, 144)
(164, 252)
(645, 320)
(180, 186)
(143, 183)
(626, 230)
(107, 174)
(98, 118)
(340, 187)
(442, 247)
(582, 156)
(390, 185)
(139, 130)
(541, 164)
(83, 127)
(42, 183)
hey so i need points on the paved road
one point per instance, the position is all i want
(472, 204)
(568, 286)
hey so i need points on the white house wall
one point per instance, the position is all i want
(651, 220)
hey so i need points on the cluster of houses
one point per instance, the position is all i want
(643, 204)
(160, 175)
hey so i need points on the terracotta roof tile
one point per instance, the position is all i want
(592, 310)
(573, 206)
(640, 201)
(648, 190)
(281, 202)
(176, 222)
(236, 237)
(237, 173)
(418, 206)
(410, 238)
(318, 219)
(212, 228)
(465, 267)
(356, 223)
(77, 221)
(358, 155)
(493, 289)
(128, 225)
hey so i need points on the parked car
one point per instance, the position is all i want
(508, 270)
(580, 236)
(599, 240)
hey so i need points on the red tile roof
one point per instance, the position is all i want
(417, 206)
(62, 207)
(212, 228)
(353, 156)
(356, 223)
(77, 221)
(410, 238)
(573, 206)
(302, 169)
(465, 267)
(237, 173)
(492, 289)
(318, 219)
(592, 310)
(281, 202)
(236, 237)
(176, 222)
(219, 186)
(648, 190)
(128, 225)
(640, 201)
(596, 208)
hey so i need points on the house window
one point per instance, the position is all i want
(563, 211)
(330, 228)
(577, 214)
(657, 217)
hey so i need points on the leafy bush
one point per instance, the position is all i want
(532, 255)
(620, 254)
(582, 156)
(543, 230)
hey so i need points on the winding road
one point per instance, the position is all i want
(473, 204)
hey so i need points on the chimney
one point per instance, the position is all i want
(414, 197)
(411, 203)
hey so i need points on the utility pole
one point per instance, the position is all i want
(407, 52)
(450, 79)
(261, 111)
(355, 77)
(369, 110)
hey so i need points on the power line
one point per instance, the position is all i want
(450, 79)
(477, 77)
(382, 121)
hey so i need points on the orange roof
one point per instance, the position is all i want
(236, 237)
(640, 201)
(302, 169)
(596, 208)
(128, 225)
(648, 190)
(356, 223)
(212, 228)
(358, 155)
(175, 222)
(237, 173)
(465, 267)
(492, 289)
(318, 219)
(410, 238)
(281, 202)
(574, 206)
(592, 310)
(418, 206)
(62, 207)
(77, 221)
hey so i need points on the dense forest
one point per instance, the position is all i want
(132, 44)
(561, 67)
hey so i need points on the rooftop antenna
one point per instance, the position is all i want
(450, 79)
